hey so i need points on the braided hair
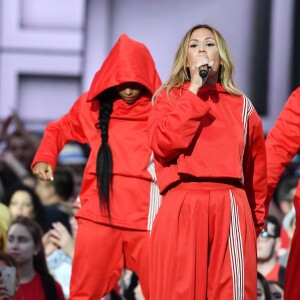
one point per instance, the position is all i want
(104, 157)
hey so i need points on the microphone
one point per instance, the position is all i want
(203, 72)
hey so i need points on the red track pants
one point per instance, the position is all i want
(203, 245)
(101, 252)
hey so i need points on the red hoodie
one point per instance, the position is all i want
(282, 144)
(135, 197)
(212, 134)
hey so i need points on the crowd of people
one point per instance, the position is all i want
(151, 190)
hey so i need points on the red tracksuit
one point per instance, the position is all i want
(104, 247)
(282, 144)
(212, 173)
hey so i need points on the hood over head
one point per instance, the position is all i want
(128, 61)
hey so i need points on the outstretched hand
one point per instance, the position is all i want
(43, 171)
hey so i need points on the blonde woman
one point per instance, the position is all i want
(209, 144)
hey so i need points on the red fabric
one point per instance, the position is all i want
(34, 290)
(130, 206)
(282, 144)
(212, 135)
(182, 131)
(134, 198)
(191, 257)
(285, 239)
(111, 249)
(292, 273)
(274, 273)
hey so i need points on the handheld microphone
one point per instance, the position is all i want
(203, 72)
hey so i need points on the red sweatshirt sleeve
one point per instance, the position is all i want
(58, 133)
(283, 141)
(173, 124)
(255, 170)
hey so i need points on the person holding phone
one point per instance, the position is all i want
(25, 245)
(8, 276)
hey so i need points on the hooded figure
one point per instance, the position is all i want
(119, 196)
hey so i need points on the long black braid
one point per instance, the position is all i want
(104, 157)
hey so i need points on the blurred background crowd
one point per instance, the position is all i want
(48, 55)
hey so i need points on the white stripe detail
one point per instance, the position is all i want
(155, 197)
(236, 252)
(247, 111)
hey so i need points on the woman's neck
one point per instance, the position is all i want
(26, 272)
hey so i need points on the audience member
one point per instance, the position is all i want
(285, 193)
(74, 158)
(59, 249)
(55, 197)
(26, 247)
(14, 170)
(263, 288)
(268, 243)
(276, 290)
(289, 223)
(17, 148)
(23, 201)
(8, 285)
(20, 142)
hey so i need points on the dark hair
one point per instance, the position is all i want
(265, 285)
(63, 183)
(276, 283)
(273, 220)
(284, 188)
(35, 230)
(39, 260)
(104, 157)
(37, 205)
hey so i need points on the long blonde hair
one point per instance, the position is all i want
(180, 74)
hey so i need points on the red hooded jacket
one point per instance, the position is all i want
(282, 144)
(212, 134)
(135, 197)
